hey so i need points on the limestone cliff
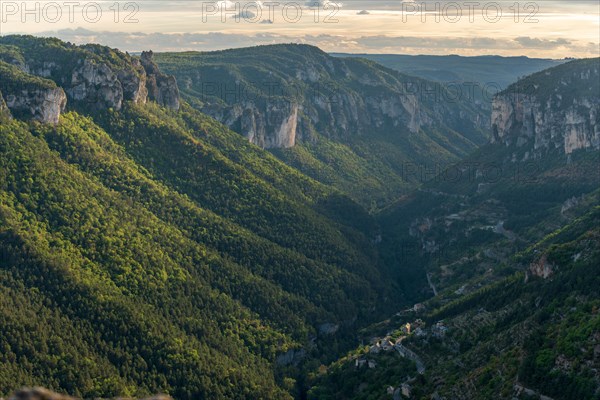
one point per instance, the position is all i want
(541, 113)
(162, 88)
(28, 97)
(43, 104)
(280, 123)
(96, 85)
(4, 112)
(134, 82)
(270, 125)
(100, 85)
(276, 123)
(93, 77)
(278, 96)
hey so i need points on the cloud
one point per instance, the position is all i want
(322, 4)
(266, 21)
(418, 42)
(247, 15)
(363, 12)
(138, 41)
(225, 4)
(529, 42)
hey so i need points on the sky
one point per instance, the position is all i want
(544, 29)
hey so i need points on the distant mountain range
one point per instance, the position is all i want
(493, 72)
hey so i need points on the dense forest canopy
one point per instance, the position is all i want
(148, 246)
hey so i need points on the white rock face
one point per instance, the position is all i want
(160, 87)
(271, 125)
(542, 268)
(43, 105)
(3, 108)
(550, 121)
(521, 119)
(97, 85)
(134, 86)
(278, 124)
(285, 136)
(88, 78)
(331, 97)
(581, 131)
(417, 117)
(101, 86)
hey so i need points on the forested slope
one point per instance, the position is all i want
(147, 248)
(509, 241)
(349, 123)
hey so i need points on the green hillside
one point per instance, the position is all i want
(150, 250)
(475, 80)
(496, 71)
(521, 338)
(506, 245)
(358, 125)
(146, 246)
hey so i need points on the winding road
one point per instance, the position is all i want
(411, 355)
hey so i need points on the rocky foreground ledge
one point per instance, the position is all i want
(39, 393)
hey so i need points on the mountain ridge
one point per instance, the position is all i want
(509, 247)
(564, 118)
(486, 69)
(348, 123)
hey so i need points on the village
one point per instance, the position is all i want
(392, 341)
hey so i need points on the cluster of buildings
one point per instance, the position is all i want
(417, 328)
(385, 344)
(401, 392)
(365, 362)
(379, 345)
(388, 343)
(439, 330)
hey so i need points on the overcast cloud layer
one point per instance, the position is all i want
(549, 29)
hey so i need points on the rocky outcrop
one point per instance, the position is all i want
(40, 104)
(27, 97)
(280, 123)
(540, 114)
(100, 86)
(162, 88)
(93, 77)
(542, 268)
(276, 123)
(522, 120)
(4, 112)
(40, 393)
(271, 125)
(133, 82)
(96, 85)
(312, 94)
